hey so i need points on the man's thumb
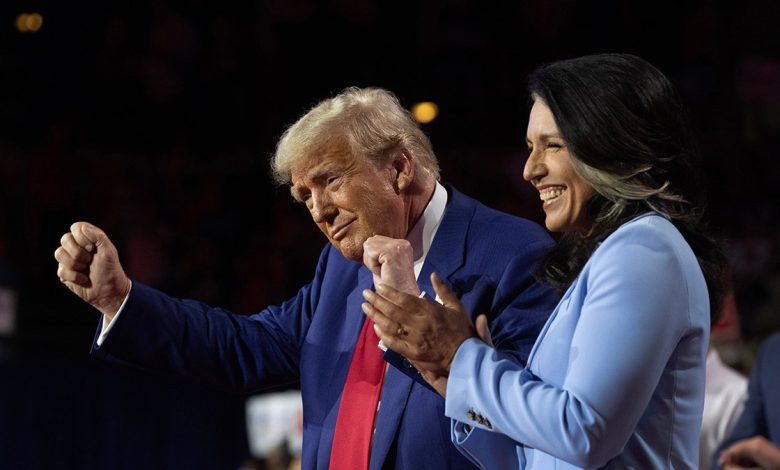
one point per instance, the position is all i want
(92, 236)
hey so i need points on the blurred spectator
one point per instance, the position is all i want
(8, 296)
(754, 441)
(725, 389)
(274, 429)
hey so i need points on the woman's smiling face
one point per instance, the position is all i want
(549, 168)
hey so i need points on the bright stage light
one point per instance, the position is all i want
(29, 22)
(425, 112)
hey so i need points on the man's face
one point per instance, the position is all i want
(349, 198)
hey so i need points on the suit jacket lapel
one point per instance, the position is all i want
(395, 394)
(353, 322)
(354, 315)
(444, 257)
(448, 249)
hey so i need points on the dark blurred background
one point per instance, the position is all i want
(155, 119)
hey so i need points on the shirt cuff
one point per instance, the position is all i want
(105, 329)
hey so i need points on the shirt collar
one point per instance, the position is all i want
(421, 235)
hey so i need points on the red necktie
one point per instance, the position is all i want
(359, 399)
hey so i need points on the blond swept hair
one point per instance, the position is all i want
(372, 122)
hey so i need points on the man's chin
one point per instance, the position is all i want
(349, 250)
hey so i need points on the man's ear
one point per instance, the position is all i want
(404, 170)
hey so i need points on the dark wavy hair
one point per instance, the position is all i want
(629, 138)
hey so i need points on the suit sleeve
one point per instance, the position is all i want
(588, 419)
(521, 304)
(195, 341)
(517, 308)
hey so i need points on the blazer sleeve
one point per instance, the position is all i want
(190, 339)
(589, 417)
(485, 449)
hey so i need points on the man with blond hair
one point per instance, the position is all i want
(369, 177)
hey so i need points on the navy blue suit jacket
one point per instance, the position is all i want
(486, 256)
(761, 415)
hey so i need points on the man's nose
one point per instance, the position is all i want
(321, 208)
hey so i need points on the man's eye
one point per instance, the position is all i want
(333, 180)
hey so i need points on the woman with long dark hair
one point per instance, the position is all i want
(616, 378)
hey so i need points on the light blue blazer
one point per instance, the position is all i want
(616, 378)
